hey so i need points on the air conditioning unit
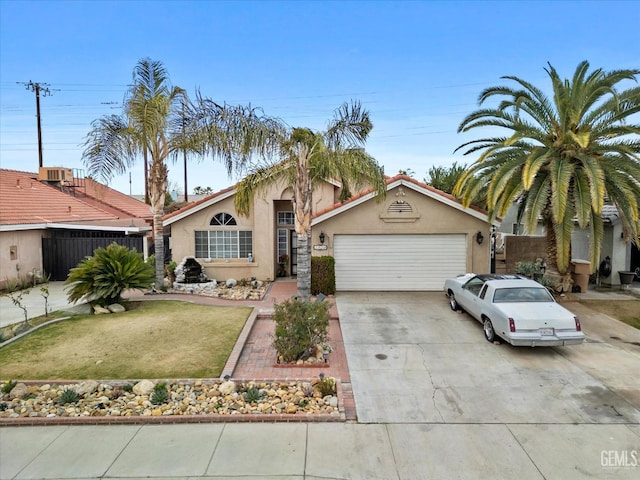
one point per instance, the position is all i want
(55, 174)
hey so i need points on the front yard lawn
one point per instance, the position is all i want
(153, 339)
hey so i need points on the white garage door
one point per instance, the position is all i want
(397, 262)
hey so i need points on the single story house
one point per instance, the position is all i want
(624, 256)
(52, 219)
(413, 240)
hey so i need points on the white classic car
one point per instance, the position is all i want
(514, 308)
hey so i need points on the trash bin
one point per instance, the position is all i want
(581, 269)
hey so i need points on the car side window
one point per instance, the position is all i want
(474, 285)
(483, 292)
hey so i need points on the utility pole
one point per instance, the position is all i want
(38, 88)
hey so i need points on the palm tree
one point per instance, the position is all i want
(306, 157)
(114, 142)
(564, 158)
(159, 120)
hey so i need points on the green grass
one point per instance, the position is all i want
(627, 311)
(154, 339)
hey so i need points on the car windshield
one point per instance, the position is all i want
(522, 294)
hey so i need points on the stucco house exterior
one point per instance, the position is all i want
(52, 219)
(623, 255)
(412, 240)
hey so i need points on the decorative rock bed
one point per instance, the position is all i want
(220, 290)
(197, 398)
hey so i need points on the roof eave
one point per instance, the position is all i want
(402, 182)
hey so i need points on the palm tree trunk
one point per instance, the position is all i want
(157, 188)
(302, 209)
(304, 267)
(560, 281)
(146, 176)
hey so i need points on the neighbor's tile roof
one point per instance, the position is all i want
(107, 198)
(26, 200)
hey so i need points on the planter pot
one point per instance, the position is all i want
(626, 278)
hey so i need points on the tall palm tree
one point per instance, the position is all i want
(564, 158)
(306, 157)
(114, 142)
(158, 120)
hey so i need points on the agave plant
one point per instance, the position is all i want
(103, 277)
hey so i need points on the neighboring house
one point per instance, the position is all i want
(624, 256)
(413, 240)
(51, 220)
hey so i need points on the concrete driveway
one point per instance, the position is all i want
(413, 360)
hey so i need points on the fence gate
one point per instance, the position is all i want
(65, 249)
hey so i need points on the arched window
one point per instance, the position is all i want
(223, 219)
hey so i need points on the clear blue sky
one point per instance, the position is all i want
(417, 66)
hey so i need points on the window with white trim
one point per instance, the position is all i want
(285, 218)
(223, 243)
(223, 219)
(283, 242)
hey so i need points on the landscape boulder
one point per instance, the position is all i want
(116, 308)
(86, 387)
(19, 391)
(98, 310)
(143, 387)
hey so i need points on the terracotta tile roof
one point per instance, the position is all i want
(112, 200)
(390, 180)
(26, 200)
(195, 204)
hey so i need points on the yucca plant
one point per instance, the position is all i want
(103, 277)
(252, 395)
(160, 393)
(68, 396)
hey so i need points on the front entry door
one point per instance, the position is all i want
(294, 252)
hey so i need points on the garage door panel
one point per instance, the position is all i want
(397, 262)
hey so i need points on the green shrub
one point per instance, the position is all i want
(103, 277)
(326, 385)
(323, 275)
(300, 326)
(68, 396)
(528, 269)
(128, 387)
(8, 386)
(160, 393)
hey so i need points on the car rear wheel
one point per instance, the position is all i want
(489, 332)
(452, 302)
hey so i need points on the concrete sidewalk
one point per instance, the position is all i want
(321, 451)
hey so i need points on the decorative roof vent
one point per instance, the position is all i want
(399, 210)
(399, 206)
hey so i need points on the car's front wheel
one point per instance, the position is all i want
(452, 302)
(489, 332)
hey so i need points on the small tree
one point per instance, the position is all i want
(300, 327)
(103, 277)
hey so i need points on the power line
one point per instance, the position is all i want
(38, 88)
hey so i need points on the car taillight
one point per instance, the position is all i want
(578, 326)
(512, 325)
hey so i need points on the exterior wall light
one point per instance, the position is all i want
(322, 237)
(479, 237)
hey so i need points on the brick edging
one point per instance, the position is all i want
(182, 419)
